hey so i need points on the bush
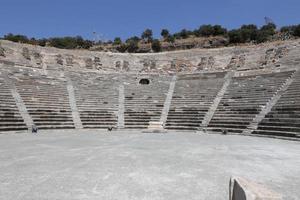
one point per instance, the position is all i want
(122, 48)
(165, 33)
(70, 42)
(235, 36)
(117, 41)
(206, 30)
(219, 30)
(134, 38)
(266, 32)
(147, 35)
(296, 31)
(248, 33)
(132, 46)
(293, 30)
(183, 34)
(16, 38)
(171, 39)
(156, 46)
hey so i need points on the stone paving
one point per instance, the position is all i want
(91, 164)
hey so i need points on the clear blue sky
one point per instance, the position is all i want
(124, 18)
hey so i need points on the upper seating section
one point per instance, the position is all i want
(46, 99)
(192, 98)
(96, 98)
(244, 99)
(284, 118)
(144, 101)
(10, 118)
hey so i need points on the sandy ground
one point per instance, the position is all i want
(138, 166)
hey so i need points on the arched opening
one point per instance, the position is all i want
(144, 81)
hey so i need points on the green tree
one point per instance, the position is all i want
(134, 38)
(235, 36)
(248, 33)
(219, 30)
(266, 32)
(16, 38)
(165, 33)
(184, 34)
(296, 31)
(132, 46)
(171, 39)
(156, 46)
(206, 30)
(122, 48)
(147, 35)
(117, 41)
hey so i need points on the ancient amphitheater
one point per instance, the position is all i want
(239, 91)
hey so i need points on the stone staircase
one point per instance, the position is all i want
(283, 119)
(244, 99)
(192, 98)
(46, 99)
(217, 100)
(10, 117)
(144, 103)
(96, 99)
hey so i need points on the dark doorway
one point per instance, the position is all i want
(144, 81)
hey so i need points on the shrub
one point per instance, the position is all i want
(206, 30)
(147, 35)
(235, 36)
(122, 48)
(296, 31)
(248, 33)
(156, 46)
(117, 41)
(16, 38)
(70, 42)
(184, 34)
(171, 39)
(265, 32)
(219, 30)
(132, 46)
(165, 33)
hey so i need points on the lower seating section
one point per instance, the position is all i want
(10, 118)
(284, 118)
(244, 99)
(97, 99)
(46, 99)
(192, 98)
(144, 102)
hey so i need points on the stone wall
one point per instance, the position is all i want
(264, 56)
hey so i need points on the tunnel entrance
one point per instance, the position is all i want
(144, 81)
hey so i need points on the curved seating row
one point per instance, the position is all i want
(97, 100)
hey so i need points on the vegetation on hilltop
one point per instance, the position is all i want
(244, 34)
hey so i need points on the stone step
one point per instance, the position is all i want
(12, 124)
(45, 127)
(230, 130)
(290, 123)
(54, 123)
(276, 133)
(181, 128)
(184, 120)
(220, 115)
(234, 126)
(86, 123)
(196, 124)
(213, 122)
(14, 128)
(278, 128)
